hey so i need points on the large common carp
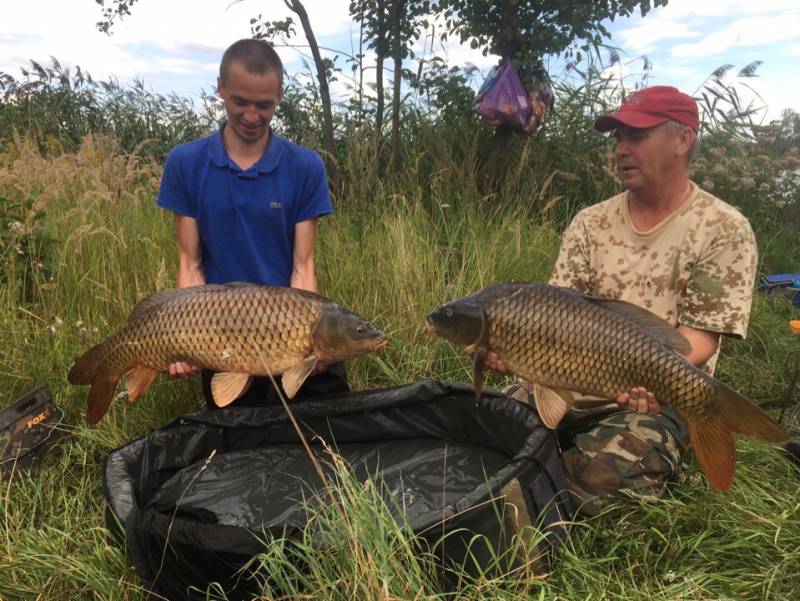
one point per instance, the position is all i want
(565, 341)
(236, 329)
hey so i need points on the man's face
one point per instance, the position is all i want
(647, 157)
(250, 101)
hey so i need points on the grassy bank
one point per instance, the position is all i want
(82, 241)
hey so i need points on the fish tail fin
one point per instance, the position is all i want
(100, 396)
(713, 443)
(746, 418)
(712, 435)
(85, 368)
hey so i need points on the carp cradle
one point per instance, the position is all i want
(216, 512)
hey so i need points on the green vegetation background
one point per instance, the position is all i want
(81, 241)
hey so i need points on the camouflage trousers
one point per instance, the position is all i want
(624, 455)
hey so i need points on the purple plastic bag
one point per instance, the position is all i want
(505, 101)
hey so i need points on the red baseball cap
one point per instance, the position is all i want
(650, 107)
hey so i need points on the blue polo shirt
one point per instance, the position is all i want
(246, 218)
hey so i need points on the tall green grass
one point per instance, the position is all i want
(396, 247)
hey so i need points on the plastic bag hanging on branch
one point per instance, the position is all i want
(503, 99)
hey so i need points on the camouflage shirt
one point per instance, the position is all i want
(697, 267)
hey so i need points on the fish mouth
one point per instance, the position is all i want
(380, 344)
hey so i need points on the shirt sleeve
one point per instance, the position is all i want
(720, 291)
(315, 199)
(173, 194)
(572, 268)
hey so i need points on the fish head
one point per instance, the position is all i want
(462, 322)
(341, 334)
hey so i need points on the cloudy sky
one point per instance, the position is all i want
(175, 45)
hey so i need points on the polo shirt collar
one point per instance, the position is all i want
(266, 164)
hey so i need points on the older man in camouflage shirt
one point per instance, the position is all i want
(666, 245)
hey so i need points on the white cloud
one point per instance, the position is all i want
(452, 50)
(159, 38)
(687, 9)
(752, 31)
(643, 37)
(775, 98)
(689, 18)
(175, 45)
(216, 23)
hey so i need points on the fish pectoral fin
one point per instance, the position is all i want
(226, 387)
(552, 404)
(478, 370)
(747, 418)
(138, 379)
(293, 378)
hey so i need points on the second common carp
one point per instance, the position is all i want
(564, 341)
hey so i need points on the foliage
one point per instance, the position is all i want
(444, 93)
(377, 19)
(118, 9)
(721, 106)
(58, 106)
(424, 235)
(528, 31)
(781, 137)
(81, 204)
(25, 246)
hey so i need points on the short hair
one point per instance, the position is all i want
(256, 56)
(677, 129)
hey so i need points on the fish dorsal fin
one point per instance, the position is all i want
(552, 404)
(292, 379)
(159, 298)
(226, 387)
(657, 326)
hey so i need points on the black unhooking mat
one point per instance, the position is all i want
(438, 453)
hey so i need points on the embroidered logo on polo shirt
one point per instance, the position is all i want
(275, 205)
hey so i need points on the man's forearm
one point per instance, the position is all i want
(190, 273)
(704, 344)
(303, 277)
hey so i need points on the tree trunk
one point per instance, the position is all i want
(397, 53)
(297, 7)
(495, 167)
(381, 42)
(379, 91)
(360, 112)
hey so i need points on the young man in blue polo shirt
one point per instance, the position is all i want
(247, 203)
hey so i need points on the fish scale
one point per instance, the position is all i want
(234, 329)
(180, 329)
(553, 339)
(563, 341)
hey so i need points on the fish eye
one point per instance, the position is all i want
(448, 313)
(361, 328)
